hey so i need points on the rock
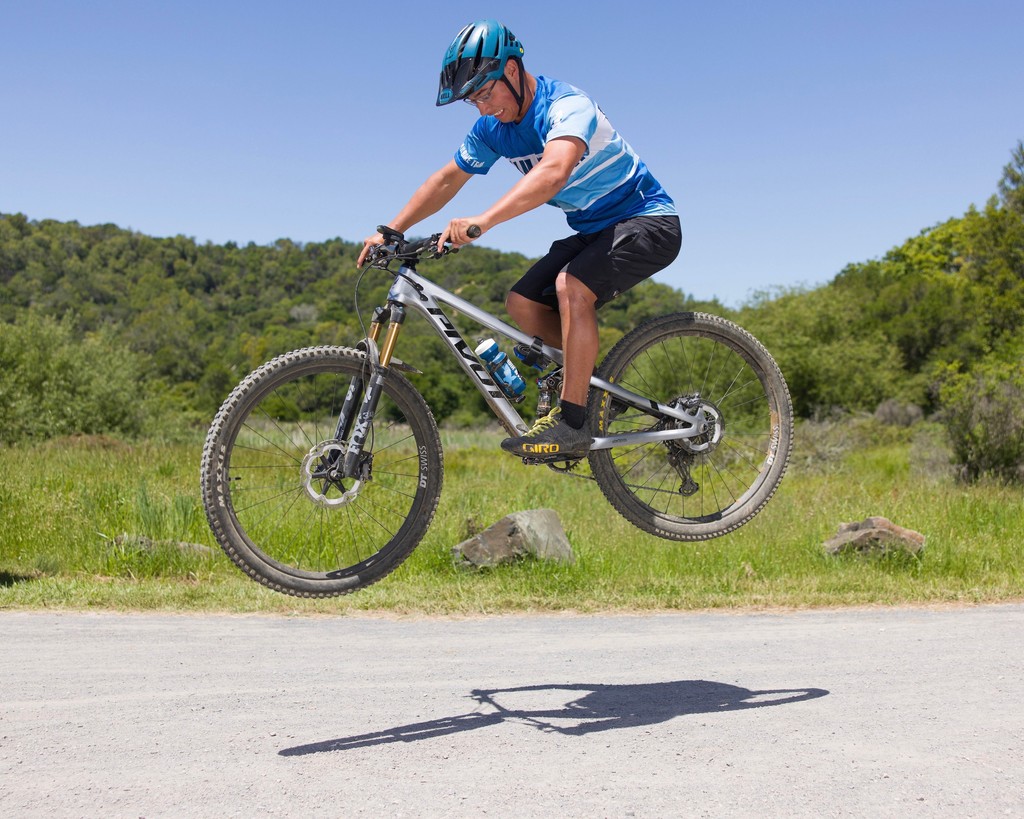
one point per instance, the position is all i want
(875, 535)
(537, 533)
(147, 544)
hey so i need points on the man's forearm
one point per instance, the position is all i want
(436, 192)
(533, 190)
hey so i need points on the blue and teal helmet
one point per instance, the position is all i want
(476, 56)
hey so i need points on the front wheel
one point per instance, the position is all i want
(705, 486)
(276, 505)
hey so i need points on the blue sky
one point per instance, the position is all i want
(796, 137)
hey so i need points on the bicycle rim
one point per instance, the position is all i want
(709, 485)
(269, 508)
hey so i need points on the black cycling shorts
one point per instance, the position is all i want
(608, 262)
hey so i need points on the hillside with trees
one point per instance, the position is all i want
(107, 330)
(190, 320)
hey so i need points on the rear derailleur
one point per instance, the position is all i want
(683, 453)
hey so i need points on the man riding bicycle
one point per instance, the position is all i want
(627, 227)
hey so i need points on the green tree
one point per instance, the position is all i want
(1011, 185)
(195, 318)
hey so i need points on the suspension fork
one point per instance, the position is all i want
(356, 427)
(355, 388)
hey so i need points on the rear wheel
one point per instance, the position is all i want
(267, 484)
(705, 486)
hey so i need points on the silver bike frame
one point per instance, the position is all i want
(412, 291)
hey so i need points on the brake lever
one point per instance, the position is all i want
(378, 252)
(473, 232)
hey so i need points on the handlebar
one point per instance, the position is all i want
(396, 247)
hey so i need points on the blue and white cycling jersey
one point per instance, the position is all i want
(611, 183)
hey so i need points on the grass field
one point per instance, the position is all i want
(96, 523)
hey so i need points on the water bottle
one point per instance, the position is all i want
(501, 369)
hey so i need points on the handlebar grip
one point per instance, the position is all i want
(473, 232)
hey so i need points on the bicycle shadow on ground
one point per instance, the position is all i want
(592, 708)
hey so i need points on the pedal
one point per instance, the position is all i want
(569, 463)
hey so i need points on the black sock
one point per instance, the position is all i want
(575, 415)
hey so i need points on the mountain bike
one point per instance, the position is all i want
(323, 468)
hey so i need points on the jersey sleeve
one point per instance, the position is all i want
(475, 155)
(573, 115)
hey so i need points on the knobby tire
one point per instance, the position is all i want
(670, 359)
(255, 487)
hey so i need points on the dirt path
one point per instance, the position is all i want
(898, 712)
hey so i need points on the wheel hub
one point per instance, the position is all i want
(709, 426)
(683, 451)
(322, 479)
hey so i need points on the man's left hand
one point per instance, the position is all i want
(457, 232)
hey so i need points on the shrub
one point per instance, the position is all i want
(898, 414)
(54, 382)
(983, 412)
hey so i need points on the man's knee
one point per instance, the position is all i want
(573, 292)
(518, 306)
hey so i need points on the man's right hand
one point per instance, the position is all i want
(368, 244)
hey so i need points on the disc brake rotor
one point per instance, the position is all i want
(683, 452)
(321, 476)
